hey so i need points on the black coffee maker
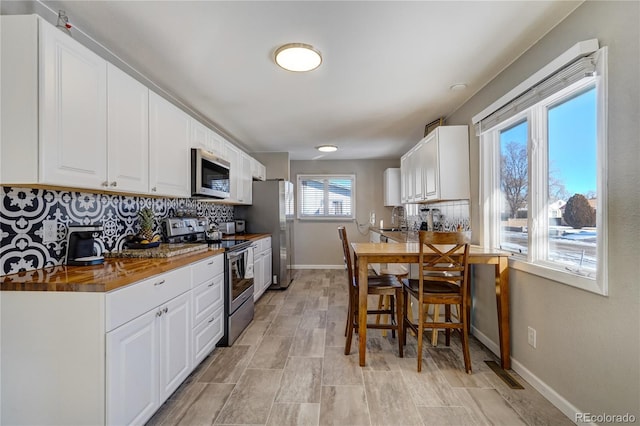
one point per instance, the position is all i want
(82, 248)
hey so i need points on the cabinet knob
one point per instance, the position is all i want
(159, 282)
(154, 189)
(114, 183)
(159, 313)
(105, 183)
(211, 320)
(211, 284)
(165, 310)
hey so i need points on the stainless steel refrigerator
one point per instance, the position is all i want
(272, 213)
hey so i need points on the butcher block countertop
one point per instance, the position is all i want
(118, 270)
(111, 275)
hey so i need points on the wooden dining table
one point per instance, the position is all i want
(409, 252)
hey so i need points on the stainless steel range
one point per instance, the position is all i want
(238, 271)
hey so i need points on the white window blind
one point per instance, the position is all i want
(581, 68)
(326, 196)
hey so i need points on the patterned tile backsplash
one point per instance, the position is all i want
(447, 215)
(23, 211)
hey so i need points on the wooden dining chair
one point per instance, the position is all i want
(376, 285)
(443, 279)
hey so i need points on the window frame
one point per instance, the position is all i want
(535, 260)
(325, 178)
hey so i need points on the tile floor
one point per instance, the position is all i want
(288, 368)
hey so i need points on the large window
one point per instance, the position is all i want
(326, 197)
(543, 181)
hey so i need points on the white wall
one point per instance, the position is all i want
(587, 345)
(317, 242)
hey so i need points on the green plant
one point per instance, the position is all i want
(147, 217)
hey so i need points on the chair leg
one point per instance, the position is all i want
(465, 341)
(436, 317)
(407, 308)
(380, 305)
(447, 318)
(420, 335)
(351, 316)
(390, 304)
(400, 321)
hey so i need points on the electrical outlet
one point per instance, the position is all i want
(49, 231)
(531, 336)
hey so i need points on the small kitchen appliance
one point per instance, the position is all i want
(228, 228)
(83, 247)
(210, 175)
(240, 226)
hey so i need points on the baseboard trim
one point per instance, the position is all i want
(317, 267)
(566, 407)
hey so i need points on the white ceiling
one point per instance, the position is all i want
(386, 72)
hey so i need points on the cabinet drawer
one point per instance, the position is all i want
(127, 303)
(207, 297)
(265, 244)
(207, 334)
(207, 269)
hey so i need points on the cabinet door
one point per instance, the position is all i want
(127, 132)
(73, 112)
(247, 168)
(268, 268)
(404, 179)
(431, 172)
(200, 136)
(259, 171)
(217, 144)
(175, 344)
(132, 371)
(258, 274)
(418, 190)
(235, 173)
(207, 334)
(392, 187)
(170, 159)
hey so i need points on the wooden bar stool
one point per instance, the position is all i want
(384, 301)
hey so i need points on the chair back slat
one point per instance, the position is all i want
(447, 258)
(342, 233)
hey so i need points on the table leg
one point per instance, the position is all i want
(362, 308)
(502, 302)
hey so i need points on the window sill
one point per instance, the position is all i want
(562, 277)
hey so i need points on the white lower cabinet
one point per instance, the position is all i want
(133, 370)
(107, 358)
(147, 359)
(262, 266)
(207, 299)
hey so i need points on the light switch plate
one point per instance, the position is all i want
(49, 231)
(531, 336)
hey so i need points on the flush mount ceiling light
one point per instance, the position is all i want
(298, 57)
(327, 148)
(457, 87)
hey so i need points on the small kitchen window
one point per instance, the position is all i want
(326, 196)
(543, 171)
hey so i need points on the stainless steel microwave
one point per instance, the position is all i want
(209, 175)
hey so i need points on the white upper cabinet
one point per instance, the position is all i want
(73, 111)
(200, 136)
(170, 163)
(437, 168)
(54, 107)
(392, 187)
(246, 196)
(127, 132)
(258, 170)
(240, 174)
